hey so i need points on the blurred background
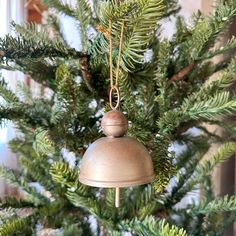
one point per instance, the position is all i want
(21, 11)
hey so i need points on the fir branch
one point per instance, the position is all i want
(220, 104)
(12, 202)
(151, 227)
(206, 167)
(229, 46)
(11, 113)
(61, 173)
(58, 112)
(7, 94)
(136, 43)
(223, 153)
(183, 175)
(21, 48)
(78, 194)
(32, 31)
(218, 205)
(141, 18)
(225, 224)
(63, 8)
(40, 176)
(24, 92)
(84, 14)
(40, 70)
(207, 30)
(17, 180)
(54, 22)
(162, 162)
(42, 142)
(16, 226)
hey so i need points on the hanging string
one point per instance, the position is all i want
(120, 49)
(110, 56)
(114, 88)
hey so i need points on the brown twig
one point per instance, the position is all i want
(84, 64)
(183, 72)
(2, 53)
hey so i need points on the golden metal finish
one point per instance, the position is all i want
(114, 92)
(116, 162)
(114, 124)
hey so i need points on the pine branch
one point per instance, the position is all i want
(218, 205)
(162, 162)
(229, 46)
(206, 167)
(77, 193)
(34, 32)
(17, 180)
(206, 31)
(219, 105)
(21, 48)
(16, 226)
(84, 14)
(141, 19)
(42, 142)
(61, 173)
(151, 227)
(6, 93)
(12, 202)
(63, 8)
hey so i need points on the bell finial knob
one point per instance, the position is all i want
(114, 124)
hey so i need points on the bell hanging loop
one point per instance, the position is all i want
(114, 93)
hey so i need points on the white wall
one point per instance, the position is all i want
(10, 10)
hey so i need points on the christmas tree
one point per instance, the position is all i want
(165, 92)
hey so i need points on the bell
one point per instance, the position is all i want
(116, 161)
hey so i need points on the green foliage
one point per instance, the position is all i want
(16, 180)
(220, 104)
(145, 13)
(165, 93)
(206, 167)
(150, 227)
(84, 14)
(22, 48)
(16, 227)
(71, 230)
(207, 30)
(61, 173)
(221, 204)
(56, 4)
(42, 143)
(6, 93)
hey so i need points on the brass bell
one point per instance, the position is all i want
(116, 161)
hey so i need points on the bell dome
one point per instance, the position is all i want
(116, 162)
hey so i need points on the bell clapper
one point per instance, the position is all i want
(117, 197)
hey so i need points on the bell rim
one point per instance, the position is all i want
(114, 184)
